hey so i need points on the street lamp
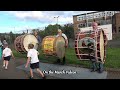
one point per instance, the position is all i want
(57, 18)
(57, 21)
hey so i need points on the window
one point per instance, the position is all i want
(102, 22)
(81, 25)
(119, 29)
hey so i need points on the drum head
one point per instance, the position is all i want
(102, 46)
(47, 45)
(30, 39)
(60, 47)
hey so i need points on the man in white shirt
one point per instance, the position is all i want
(66, 43)
(96, 65)
(33, 60)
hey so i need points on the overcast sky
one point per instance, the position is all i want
(16, 21)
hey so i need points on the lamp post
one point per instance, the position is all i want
(57, 21)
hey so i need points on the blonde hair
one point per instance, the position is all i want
(59, 30)
(30, 46)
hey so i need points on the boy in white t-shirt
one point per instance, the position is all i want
(33, 60)
(7, 53)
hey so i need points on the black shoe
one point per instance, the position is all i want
(57, 62)
(31, 78)
(44, 77)
(93, 70)
(100, 71)
(62, 63)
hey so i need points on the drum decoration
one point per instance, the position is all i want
(53, 46)
(21, 42)
(90, 45)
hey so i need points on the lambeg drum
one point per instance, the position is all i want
(53, 46)
(21, 42)
(91, 45)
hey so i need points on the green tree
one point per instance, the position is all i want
(11, 37)
(69, 31)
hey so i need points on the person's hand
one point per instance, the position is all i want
(13, 58)
(106, 43)
(2, 58)
(26, 66)
(66, 45)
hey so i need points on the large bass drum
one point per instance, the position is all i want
(91, 45)
(53, 46)
(21, 42)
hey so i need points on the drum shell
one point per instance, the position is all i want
(96, 36)
(50, 45)
(22, 41)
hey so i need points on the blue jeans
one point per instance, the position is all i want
(97, 65)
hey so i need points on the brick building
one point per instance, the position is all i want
(101, 17)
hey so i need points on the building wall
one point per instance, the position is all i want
(102, 18)
(117, 17)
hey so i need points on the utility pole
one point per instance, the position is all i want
(57, 21)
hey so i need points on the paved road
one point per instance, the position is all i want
(16, 70)
(15, 73)
(67, 72)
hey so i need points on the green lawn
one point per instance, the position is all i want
(112, 60)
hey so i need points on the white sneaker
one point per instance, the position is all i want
(5, 67)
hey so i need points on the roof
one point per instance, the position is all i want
(88, 13)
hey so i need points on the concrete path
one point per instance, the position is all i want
(67, 72)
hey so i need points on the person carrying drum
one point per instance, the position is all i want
(32, 58)
(38, 38)
(96, 66)
(66, 44)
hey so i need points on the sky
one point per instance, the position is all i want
(17, 21)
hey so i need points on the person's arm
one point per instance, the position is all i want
(39, 39)
(106, 41)
(3, 56)
(38, 53)
(28, 61)
(66, 40)
(12, 55)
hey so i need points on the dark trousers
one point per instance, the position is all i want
(97, 65)
(63, 61)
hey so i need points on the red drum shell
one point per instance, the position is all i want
(99, 39)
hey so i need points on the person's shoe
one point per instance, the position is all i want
(62, 63)
(100, 71)
(44, 77)
(57, 62)
(6, 68)
(93, 70)
(3, 66)
(31, 78)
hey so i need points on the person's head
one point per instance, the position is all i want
(30, 46)
(5, 45)
(59, 31)
(94, 25)
(35, 33)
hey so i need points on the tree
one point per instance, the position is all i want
(51, 29)
(69, 31)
